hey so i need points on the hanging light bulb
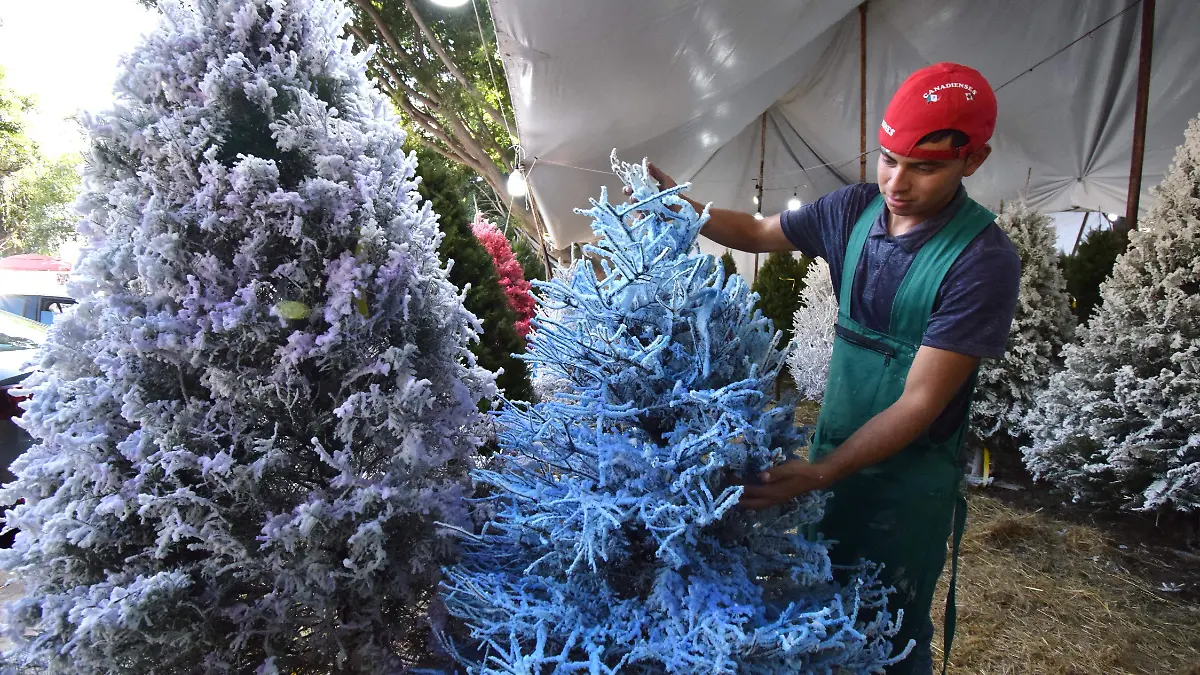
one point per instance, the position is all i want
(758, 215)
(449, 3)
(755, 198)
(1113, 216)
(794, 203)
(517, 187)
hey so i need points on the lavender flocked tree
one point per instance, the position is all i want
(264, 401)
(616, 543)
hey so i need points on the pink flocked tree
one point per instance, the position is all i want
(512, 278)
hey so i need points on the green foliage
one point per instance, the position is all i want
(36, 194)
(446, 186)
(728, 263)
(780, 280)
(1090, 266)
(16, 148)
(527, 255)
(36, 214)
(453, 103)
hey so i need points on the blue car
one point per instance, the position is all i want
(40, 308)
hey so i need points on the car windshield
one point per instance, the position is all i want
(20, 333)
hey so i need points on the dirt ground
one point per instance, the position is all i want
(1041, 593)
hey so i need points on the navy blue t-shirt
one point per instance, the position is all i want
(974, 308)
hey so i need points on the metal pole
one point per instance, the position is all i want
(762, 159)
(1139, 115)
(862, 89)
(1079, 236)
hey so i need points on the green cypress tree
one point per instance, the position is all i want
(446, 186)
(527, 255)
(728, 263)
(780, 280)
(1090, 266)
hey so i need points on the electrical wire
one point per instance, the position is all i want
(1069, 45)
(488, 57)
(837, 164)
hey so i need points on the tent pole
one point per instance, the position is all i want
(762, 159)
(1139, 115)
(862, 90)
(1079, 236)
(537, 222)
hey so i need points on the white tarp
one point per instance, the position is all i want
(685, 82)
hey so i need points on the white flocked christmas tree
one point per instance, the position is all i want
(1042, 325)
(1121, 423)
(250, 427)
(808, 362)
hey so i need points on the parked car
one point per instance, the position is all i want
(41, 308)
(20, 339)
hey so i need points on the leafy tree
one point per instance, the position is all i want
(36, 194)
(1090, 266)
(263, 406)
(36, 206)
(446, 186)
(16, 148)
(434, 66)
(780, 281)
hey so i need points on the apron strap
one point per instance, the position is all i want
(951, 617)
(918, 291)
(854, 249)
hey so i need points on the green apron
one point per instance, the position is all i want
(901, 511)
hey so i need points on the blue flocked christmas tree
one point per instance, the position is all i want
(615, 543)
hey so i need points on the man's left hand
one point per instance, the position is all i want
(783, 483)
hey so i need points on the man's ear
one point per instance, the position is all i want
(975, 159)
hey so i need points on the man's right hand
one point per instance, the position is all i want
(733, 229)
(664, 181)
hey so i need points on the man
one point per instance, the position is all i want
(928, 286)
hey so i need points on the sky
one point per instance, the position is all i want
(1066, 226)
(65, 53)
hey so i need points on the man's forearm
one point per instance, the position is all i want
(734, 229)
(881, 437)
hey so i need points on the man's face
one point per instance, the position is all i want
(921, 187)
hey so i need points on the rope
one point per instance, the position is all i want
(837, 164)
(488, 57)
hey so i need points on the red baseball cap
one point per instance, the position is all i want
(941, 96)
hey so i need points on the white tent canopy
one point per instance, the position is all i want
(685, 83)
